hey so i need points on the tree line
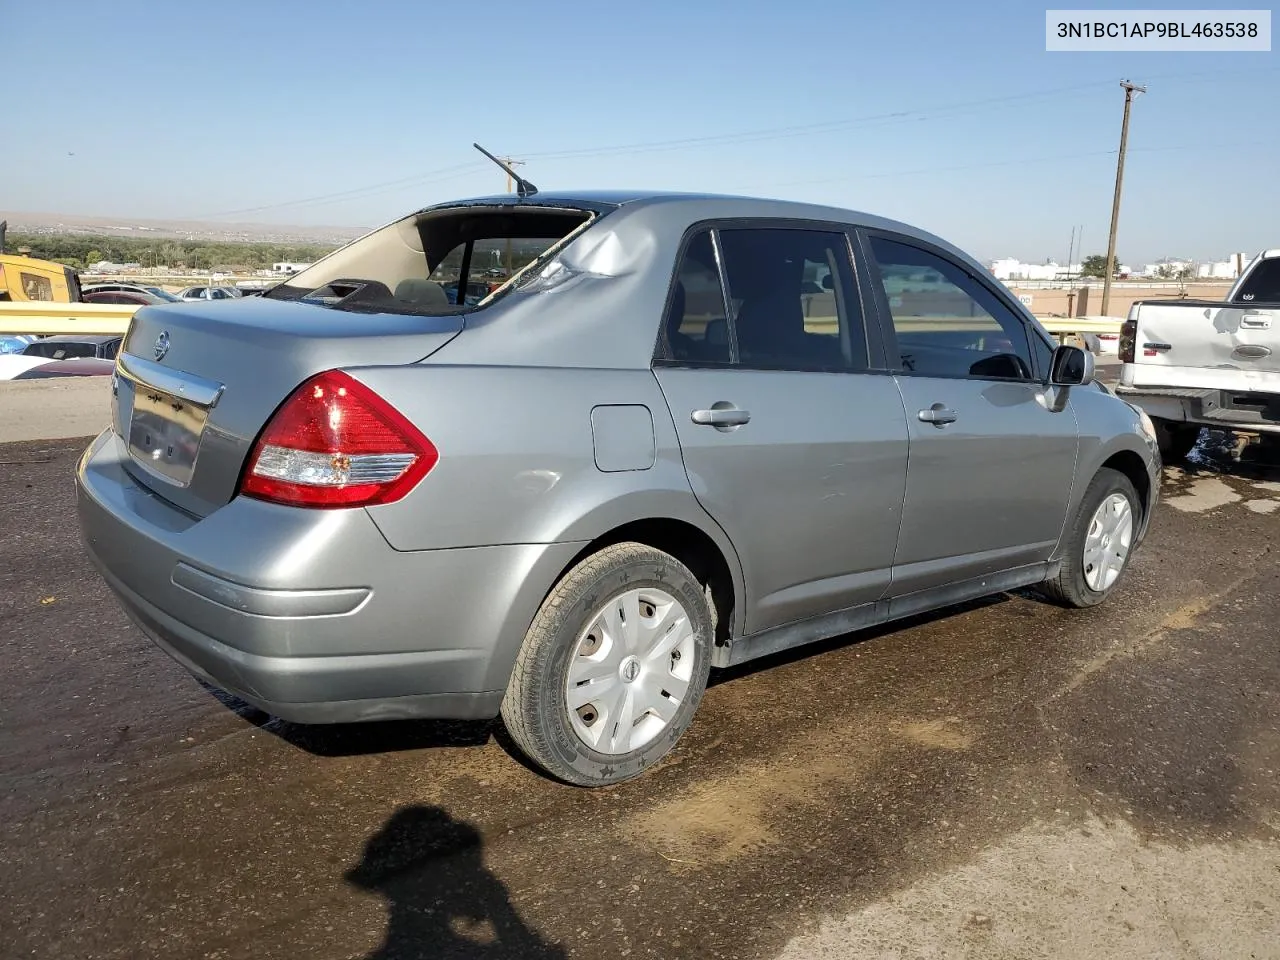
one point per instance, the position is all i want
(81, 250)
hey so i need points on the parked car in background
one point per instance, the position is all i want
(1206, 363)
(210, 293)
(1106, 344)
(138, 298)
(13, 365)
(653, 451)
(74, 367)
(14, 343)
(68, 346)
(156, 294)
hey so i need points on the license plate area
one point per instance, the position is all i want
(164, 433)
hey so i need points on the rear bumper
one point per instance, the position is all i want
(1242, 410)
(311, 615)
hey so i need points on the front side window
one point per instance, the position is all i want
(947, 324)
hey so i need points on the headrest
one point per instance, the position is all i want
(425, 293)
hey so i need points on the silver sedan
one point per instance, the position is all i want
(686, 431)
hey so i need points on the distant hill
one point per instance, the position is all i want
(23, 221)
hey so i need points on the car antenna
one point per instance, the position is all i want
(523, 187)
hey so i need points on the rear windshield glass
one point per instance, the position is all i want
(436, 262)
(1263, 283)
(61, 350)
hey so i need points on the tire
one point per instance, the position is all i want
(1175, 439)
(1071, 587)
(579, 628)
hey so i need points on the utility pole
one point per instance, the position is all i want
(1129, 90)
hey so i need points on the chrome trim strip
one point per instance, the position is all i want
(176, 383)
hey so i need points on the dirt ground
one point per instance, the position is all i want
(1007, 779)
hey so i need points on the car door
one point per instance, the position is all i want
(790, 443)
(991, 464)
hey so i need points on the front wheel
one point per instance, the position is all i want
(612, 668)
(1099, 542)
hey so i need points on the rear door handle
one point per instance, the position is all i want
(721, 417)
(1256, 321)
(938, 414)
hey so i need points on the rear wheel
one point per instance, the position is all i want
(1175, 439)
(1099, 543)
(613, 667)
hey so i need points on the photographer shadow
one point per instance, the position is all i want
(442, 902)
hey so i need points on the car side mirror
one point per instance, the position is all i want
(1071, 366)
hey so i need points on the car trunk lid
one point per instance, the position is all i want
(196, 382)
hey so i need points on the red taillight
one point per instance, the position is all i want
(336, 443)
(1128, 337)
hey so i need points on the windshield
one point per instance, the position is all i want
(162, 294)
(437, 262)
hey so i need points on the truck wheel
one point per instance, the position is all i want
(1099, 542)
(612, 668)
(1175, 439)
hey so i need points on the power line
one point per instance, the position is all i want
(751, 136)
(772, 133)
(1020, 161)
(899, 116)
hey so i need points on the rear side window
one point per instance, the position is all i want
(792, 295)
(946, 323)
(697, 330)
(1263, 283)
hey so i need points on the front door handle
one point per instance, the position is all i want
(938, 414)
(721, 417)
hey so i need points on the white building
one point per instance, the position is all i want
(1011, 268)
(287, 267)
(1227, 269)
(106, 266)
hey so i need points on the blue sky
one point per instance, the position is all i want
(949, 115)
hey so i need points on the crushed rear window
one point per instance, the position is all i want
(437, 262)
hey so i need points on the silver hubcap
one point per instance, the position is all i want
(630, 670)
(1106, 547)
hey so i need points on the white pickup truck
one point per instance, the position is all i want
(1200, 363)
